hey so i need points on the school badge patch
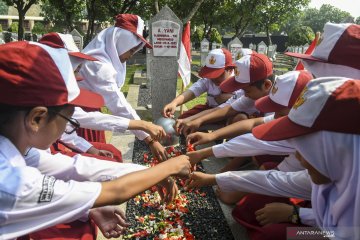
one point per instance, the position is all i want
(300, 100)
(47, 189)
(212, 60)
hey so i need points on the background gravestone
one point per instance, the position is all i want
(305, 47)
(78, 39)
(1, 38)
(235, 46)
(271, 51)
(262, 48)
(204, 49)
(165, 36)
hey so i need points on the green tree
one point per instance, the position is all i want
(39, 28)
(240, 14)
(197, 36)
(215, 36)
(14, 27)
(357, 21)
(22, 6)
(3, 8)
(316, 19)
(275, 13)
(301, 35)
(63, 14)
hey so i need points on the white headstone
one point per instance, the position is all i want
(235, 46)
(271, 51)
(305, 47)
(204, 49)
(262, 48)
(165, 37)
(78, 39)
(1, 38)
(165, 34)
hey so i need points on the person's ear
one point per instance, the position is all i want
(267, 84)
(36, 119)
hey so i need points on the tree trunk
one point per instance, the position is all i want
(268, 36)
(91, 17)
(21, 24)
(193, 11)
(156, 3)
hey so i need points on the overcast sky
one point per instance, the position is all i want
(351, 6)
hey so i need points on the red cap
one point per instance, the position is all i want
(339, 44)
(284, 92)
(325, 104)
(249, 69)
(134, 24)
(216, 62)
(59, 40)
(33, 74)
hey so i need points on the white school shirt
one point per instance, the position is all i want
(30, 201)
(244, 104)
(101, 121)
(75, 141)
(78, 168)
(92, 120)
(206, 85)
(271, 183)
(247, 145)
(237, 94)
(103, 82)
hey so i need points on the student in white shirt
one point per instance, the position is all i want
(36, 103)
(218, 67)
(113, 47)
(94, 120)
(329, 150)
(253, 74)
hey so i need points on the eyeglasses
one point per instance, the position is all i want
(74, 124)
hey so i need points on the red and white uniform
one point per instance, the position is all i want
(27, 193)
(244, 104)
(272, 183)
(206, 85)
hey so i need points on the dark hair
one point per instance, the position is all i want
(260, 83)
(8, 112)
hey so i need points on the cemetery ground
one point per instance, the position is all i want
(209, 218)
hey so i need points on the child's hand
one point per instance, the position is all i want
(106, 153)
(190, 127)
(169, 110)
(171, 190)
(194, 157)
(111, 220)
(181, 166)
(199, 138)
(156, 132)
(274, 213)
(179, 124)
(199, 179)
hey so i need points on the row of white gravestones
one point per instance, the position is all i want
(205, 48)
(298, 49)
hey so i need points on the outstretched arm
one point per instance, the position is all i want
(125, 187)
